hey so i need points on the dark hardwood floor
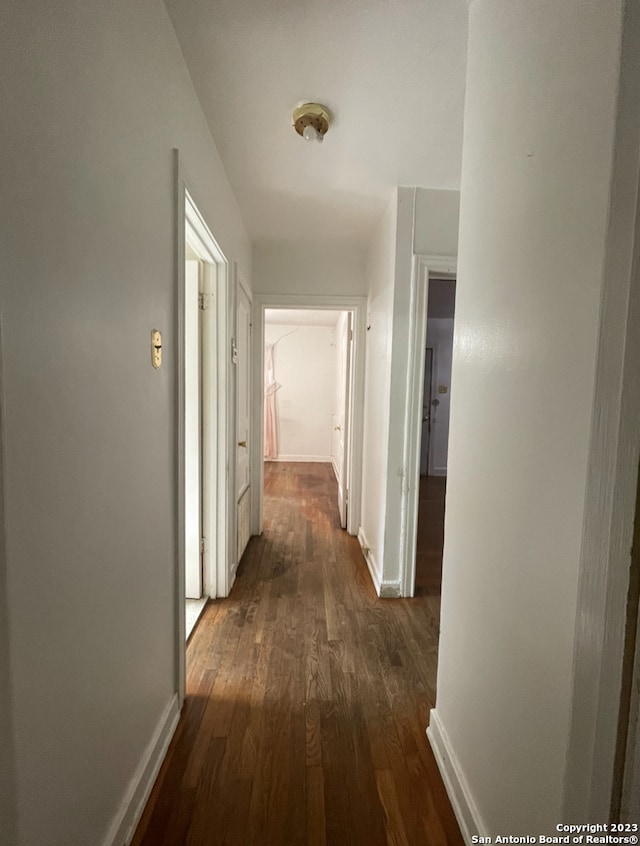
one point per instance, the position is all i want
(430, 535)
(308, 698)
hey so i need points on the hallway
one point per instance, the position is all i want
(307, 698)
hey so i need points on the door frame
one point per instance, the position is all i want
(215, 391)
(357, 305)
(424, 268)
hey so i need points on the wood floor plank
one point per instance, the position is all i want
(315, 818)
(307, 696)
(396, 835)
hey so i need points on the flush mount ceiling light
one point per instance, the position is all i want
(311, 121)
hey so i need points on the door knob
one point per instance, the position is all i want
(242, 443)
(337, 428)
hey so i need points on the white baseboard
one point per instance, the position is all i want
(335, 469)
(438, 471)
(464, 807)
(320, 459)
(243, 523)
(385, 590)
(232, 574)
(128, 816)
(369, 558)
(390, 590)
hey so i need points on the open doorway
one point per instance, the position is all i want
(307, 399)
(203, 548)
(330, 431)
(427, 423)
(434, 445)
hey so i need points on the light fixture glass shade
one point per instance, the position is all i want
(310, 133)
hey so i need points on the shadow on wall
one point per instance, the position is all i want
(8, 816)
(8, 835)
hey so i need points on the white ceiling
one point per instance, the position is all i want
(391, 73)
(301, 316)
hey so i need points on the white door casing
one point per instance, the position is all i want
(444, 267)
(192, 433)
(215, 487)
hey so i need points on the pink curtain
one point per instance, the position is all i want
(270, 422)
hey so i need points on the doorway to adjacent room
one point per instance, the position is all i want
(309, 376)
(434, 445)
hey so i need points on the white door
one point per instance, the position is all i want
(344, 342)
(243, 416)
(192, 445)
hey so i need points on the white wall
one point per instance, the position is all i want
(440, 338)
(429, 219)
(396, 411)
(613, 471)
(380, 271)
(437, 215)
(329, 268)
(535, 198)
(95, 97)
(8, 832)
(306, 370)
